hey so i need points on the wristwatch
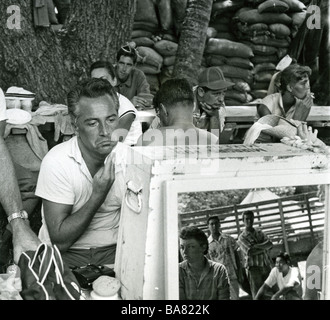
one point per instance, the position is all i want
(22, 214)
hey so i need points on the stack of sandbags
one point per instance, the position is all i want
(267, 28)
(234, 59)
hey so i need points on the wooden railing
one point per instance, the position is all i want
(283, 219)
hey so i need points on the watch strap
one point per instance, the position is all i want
(22, 214)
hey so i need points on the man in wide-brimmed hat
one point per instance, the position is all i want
(210, 111)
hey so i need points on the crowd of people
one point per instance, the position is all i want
(81, 184)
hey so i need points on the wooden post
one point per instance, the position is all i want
(285, 239)
(237, 220)
(310, 220)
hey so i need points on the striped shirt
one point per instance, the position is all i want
(246, 241)
(212, 285)
(222, 250)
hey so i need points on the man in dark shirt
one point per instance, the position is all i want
(131, 82)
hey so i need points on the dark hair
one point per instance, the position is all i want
(91, 88)
(293, 73)
(195, 233)
(173, 91)
(104, 65)
(127, 51)
(284, 256)
(212, 218)
(247, 213)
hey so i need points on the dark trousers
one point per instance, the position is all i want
(256, 277)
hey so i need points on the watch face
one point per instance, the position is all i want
(24, 214)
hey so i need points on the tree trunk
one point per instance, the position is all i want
(192, 39)
(50, 62)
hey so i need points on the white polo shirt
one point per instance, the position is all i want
(64, 178)
(3, 115)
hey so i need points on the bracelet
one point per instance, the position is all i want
(22, 214)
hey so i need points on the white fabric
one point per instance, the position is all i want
(276, 277)
(253, 133)
(3, 115)
(127, 107)
(64, 178)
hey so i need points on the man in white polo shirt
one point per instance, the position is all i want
(80, 185)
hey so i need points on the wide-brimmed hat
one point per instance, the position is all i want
(213, 78)
(281, 127)
(18, 93)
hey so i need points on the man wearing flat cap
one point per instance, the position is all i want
(210, 109)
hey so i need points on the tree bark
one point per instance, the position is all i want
(192, 39)
(50, 62)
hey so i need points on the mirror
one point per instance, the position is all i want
(291, 216)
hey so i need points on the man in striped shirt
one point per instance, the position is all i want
(255, 246)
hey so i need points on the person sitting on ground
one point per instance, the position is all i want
(127, 113)
(293, 102)
(199, 277)
(285, 278)
(223, 248)
(23, 239)
(131, 82)
(174, 103)
(80, 185)
(255, 246)
(210, 111)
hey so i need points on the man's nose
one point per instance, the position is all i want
(104, 130)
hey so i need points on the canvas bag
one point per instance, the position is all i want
(45, 276)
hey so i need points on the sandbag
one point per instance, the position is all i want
(228, 48)
(263, 76)
(143, 42)
(236, 72)
(295, 5)
(215, 60)
(298, 18)
(242, 86)
(165, 74)
(280, 30)
(257, 59)
(170, 37)
(253, 16)
(136, 33)
(169, 61)
(148, 68)
(236, 95)
(275, 6)
(150, 56)
(266, 66)
(211, 32)
(240, 62)
(281, 52)
(165, 14)
(146, 12)
(166, 47)
(261, 49)
(268, 41)
(220, 26)
(259, 94)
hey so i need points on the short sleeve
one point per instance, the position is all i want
(54, 182)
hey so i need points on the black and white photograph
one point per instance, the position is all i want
(164, 153)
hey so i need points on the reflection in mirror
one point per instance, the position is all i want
(291, 218)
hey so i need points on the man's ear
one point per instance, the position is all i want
(200, 91)
(289, 88)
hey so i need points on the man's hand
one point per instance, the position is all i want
(139, 102)
(210, 110)
(105, 177)
(24, 239)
